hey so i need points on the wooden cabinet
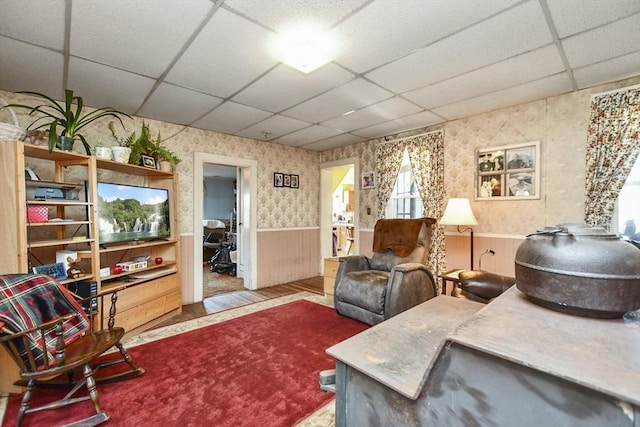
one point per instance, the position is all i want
(330, 271)
(34, 230)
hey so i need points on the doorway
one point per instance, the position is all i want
(243, 223)
(339, 207)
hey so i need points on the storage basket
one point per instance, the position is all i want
(37, 214)
(8, 131)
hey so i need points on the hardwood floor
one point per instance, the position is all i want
(218, 303)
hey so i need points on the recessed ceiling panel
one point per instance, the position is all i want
(27, 67)
(511, 72)
(488, 42)
(229, 53)
(549, 86)
(414, 121)
(231, 117)
(102, 86)
(34, 21)
(387, 30)
(279, 14)
(353, 95)
(603, 43)
(307, 136)
(284, 87)
(119, 25)
(341, 140)
(569, 19)
(177, 105)
(373, 114)
(603, 72)
(273, 127)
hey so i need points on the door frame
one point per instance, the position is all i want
(249, 212)
(326, 206)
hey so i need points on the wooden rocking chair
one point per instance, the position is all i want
(53, 341)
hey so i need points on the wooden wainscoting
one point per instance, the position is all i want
(457, 247)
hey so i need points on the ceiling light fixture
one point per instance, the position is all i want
(304, 48)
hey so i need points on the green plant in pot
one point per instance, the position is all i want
(70, 117)
(146, 145)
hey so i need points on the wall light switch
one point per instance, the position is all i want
(368, 211)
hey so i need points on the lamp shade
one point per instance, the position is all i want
(458, 212)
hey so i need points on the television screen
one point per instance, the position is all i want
(129, 213)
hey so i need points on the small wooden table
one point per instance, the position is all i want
(450, 276)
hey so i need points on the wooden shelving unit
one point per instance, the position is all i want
(153, 295)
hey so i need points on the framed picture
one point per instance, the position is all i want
(295, 181)
(508, 172)
(368, 180)
(278, 179)
(148, 161)
(286, 181)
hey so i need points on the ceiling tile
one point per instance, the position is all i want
(569, 19)
(540, 89)
(373, 114)
(511, 72)
(279, 14)
(164, 25)
(117, 89)
(27, 67)
(34, 21)
(353, 95)
(307, 135)
(603, 72)
(174, 104)
(470, 49)
(603, 43)
(231, 117)
(284, 87)
(274, 126)
(341, 140)
(401, 26)
(414, 121)
(205, 66)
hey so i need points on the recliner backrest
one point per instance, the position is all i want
(386, 260)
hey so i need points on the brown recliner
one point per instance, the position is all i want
(481, 286)
(394, 279)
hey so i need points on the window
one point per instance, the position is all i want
(405, 201)
(626, 218)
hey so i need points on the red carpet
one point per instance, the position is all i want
(260, 369)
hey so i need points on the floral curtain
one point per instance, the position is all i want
(388, 162)
(426, 154)
(613, 144)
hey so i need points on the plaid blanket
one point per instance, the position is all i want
(28, 300)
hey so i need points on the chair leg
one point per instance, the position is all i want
(128, 358)
(26, 400)
(91, 387)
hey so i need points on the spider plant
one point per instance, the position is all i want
(69, 117)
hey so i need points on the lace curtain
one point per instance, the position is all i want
(426, 154)
(613, 144)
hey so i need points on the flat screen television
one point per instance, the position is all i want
(129, 213)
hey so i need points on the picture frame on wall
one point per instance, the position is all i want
(368, 180)
(286, 181)
(278, 179)
(147, 161)
(509, 172)
(295, 181)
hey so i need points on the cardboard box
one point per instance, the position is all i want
(132, 266)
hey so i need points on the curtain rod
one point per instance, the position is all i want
(610, 92)
(408, 137)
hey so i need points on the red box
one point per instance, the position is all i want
(37, 214)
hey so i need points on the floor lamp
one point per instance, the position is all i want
(459, 213)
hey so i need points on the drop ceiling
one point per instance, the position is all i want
(402, 64)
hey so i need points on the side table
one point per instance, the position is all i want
(450, 276)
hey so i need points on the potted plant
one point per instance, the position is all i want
(122, 151)
(145, 145)
(69, 117)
